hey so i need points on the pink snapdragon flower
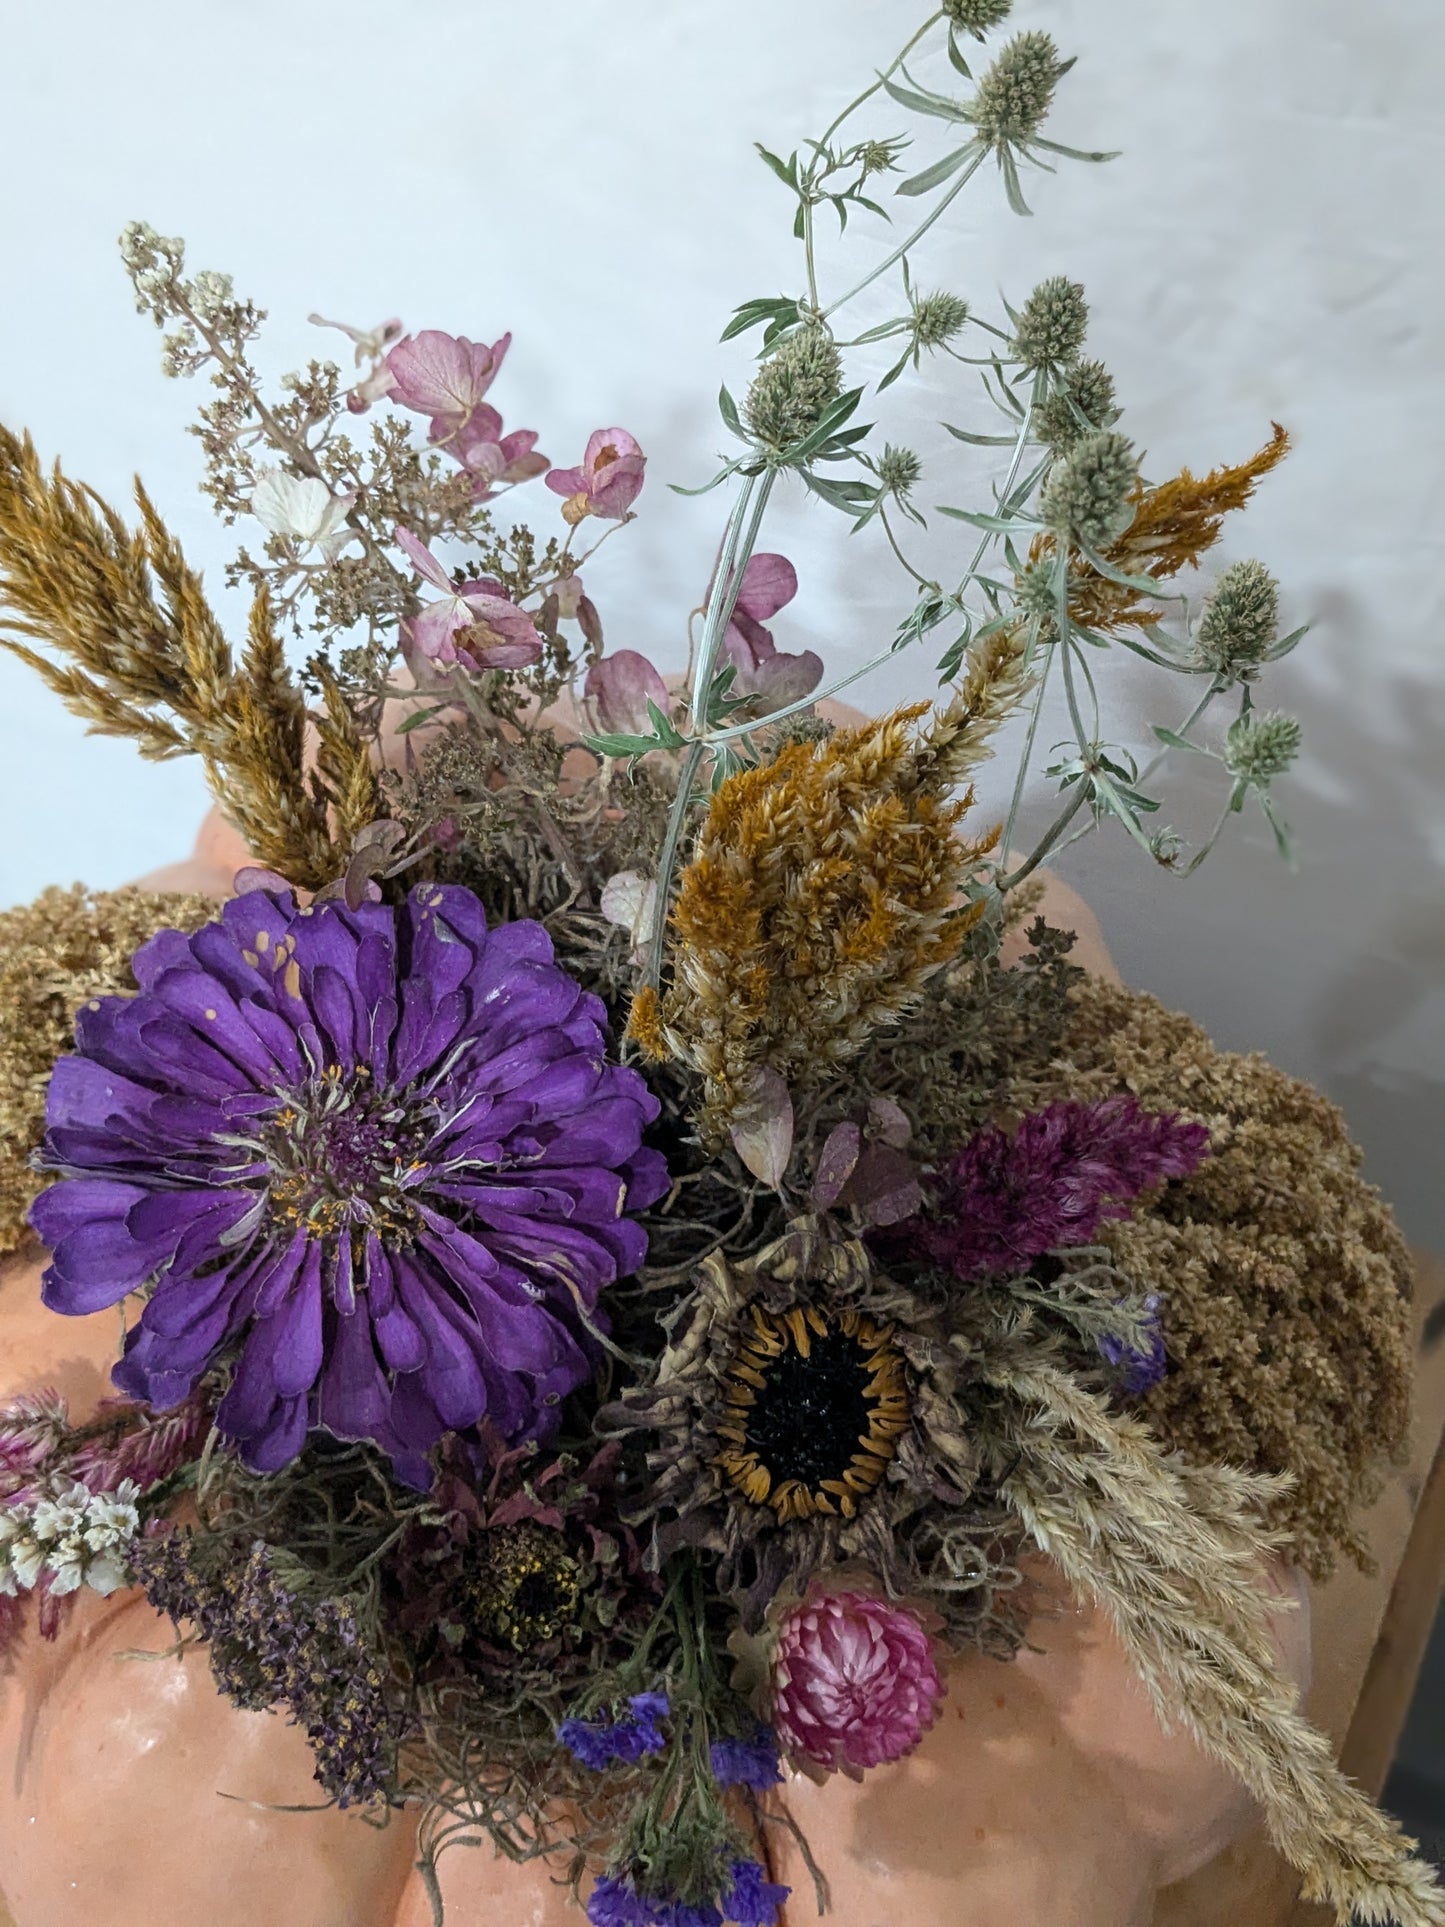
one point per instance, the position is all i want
(444, 376)
(855, 1682)
(474, 625)
(619, 689)
(608, 480)
(769, 583)
(492, 457)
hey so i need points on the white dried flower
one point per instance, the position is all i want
(302, 507)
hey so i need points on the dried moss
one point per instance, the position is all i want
(55, 953)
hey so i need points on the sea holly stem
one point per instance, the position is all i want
(892, 260)
(738, 545)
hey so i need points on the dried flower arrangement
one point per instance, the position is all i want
(622, 1278)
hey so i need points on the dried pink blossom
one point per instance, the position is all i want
(492, 457)
(607, 482)
(474, 625)
(444, 376)
(855, 1682)
(371, 347)
(769, 583)
(619, 689)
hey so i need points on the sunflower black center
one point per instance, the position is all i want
(522, 1586)
(810, 1413)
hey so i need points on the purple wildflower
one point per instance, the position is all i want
(1140, 1369)
(598, 1743)
(377, 1156)
(750, 1763)
(269, 1648)
(1006, 1199)
(617, 1903)
(752, 1900)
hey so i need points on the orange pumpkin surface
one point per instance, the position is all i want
(133, 1795)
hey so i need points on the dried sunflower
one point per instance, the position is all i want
(807, 1414)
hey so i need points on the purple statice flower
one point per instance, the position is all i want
(1140, 1368)
(750, 1763)
(598, 1743)
(1007, 1198)
(751, 1899)
(615, 1902)
(377, 1157)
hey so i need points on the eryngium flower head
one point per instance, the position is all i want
(855, 1682)
(1260, 747)
(1052, 324)
(1240, 622)
(977, 16)
(937, 318)
(375, 1156)
(899, 470)
(794, 388)
(1086, 498)
(1015, 95)
(1084, 401)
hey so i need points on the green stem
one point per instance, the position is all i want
(742, 534)
(1025, 762)
(922, 580)
(913, 239)
(1050, 837)
(888, 72)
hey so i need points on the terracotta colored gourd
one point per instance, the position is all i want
(132, 1795)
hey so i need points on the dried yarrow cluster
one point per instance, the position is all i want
(56, 954)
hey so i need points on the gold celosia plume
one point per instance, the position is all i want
(1174, 524)
(141, 654)
(825, 889)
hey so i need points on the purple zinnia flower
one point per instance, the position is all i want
(1140, 1370)
(597, 1743)
(377, 1156)
(751, 1763)
(1006, 1199)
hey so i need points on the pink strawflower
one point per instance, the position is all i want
(446, 377)
(855, 1682)
(492, 457)
(769, 583)
(608, 481)
(619, 689)
(473, 626)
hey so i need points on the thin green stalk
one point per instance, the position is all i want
(888, 72)
(1025, 761)
(1050, 837)
(738, 544)
(913, 239)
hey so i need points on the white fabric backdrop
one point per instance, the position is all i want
(1268, 247)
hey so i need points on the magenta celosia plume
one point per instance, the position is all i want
(1009, 1197)
(855, 1682)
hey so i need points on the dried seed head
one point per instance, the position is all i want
(1035, 591)
(1087, 391)
(794, 388)
(977, 16)
(1240, 621)
(1086, 498)
(1052, 324)
(937, 318)
(1260, 747)
(899, 469)
(1015, 95)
